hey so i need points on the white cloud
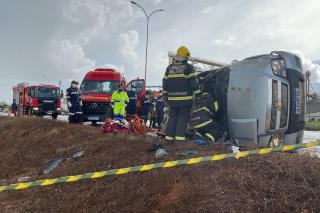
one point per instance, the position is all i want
(120, 68)
(157, 2)
(207, 10)
(97, 19)
(309, 65)
(128, 44)
(69, 58)
(228, 40)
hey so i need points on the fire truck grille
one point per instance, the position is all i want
(96, 108)
(48, 105)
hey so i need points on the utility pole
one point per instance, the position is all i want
(307, 75)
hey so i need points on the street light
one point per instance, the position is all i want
(148, 18)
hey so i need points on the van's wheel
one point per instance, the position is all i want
(94, 123)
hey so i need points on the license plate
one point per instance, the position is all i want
(49, 112)
(93, 118)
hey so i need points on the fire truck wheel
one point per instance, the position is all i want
(54, 116)
(28, 111)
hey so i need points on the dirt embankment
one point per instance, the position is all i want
(277, 182)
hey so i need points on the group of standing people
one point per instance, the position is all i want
(180, 90)
(123, 104)
(151, 107)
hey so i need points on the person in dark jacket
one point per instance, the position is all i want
(132, 105)
(14, 107)
(180, 83)
(160, 105)
(203, 118)
(74, 103)
(145, 103)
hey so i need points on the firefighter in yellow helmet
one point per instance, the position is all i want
(180, 83)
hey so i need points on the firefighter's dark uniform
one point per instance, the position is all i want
(74, 105)
(145, 104)
(160, 105)
(180, 83)
(132, 105)
(202, 118)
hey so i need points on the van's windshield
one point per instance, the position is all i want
(98, 86)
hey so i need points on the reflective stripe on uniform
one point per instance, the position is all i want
(179, 76)
(184, 98)
(70, 113)
(197, 133)
(210, 136)
(203, 124)
(191, 75)
(197, 92)
(179, 138)
(216, 106)
(169, 138)
(78, 112)
(203, 108)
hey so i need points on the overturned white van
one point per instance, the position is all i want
(261, 98)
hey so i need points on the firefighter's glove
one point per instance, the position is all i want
(69, 104)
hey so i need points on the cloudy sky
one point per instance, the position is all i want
(60, 40)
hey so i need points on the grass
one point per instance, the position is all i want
(312, 125)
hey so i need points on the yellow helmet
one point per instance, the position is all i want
(183, 52)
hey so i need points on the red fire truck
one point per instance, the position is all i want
(97, 88)
(38, 100)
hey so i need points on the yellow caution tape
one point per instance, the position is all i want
(148, 167)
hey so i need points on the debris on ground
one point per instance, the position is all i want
(154, 147)
(278, 182)
(160, 153)
(51, 165)
(187, 152)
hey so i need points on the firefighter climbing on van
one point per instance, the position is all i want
(119, 101)
(74, 103)
(203, 118)
(180, 83)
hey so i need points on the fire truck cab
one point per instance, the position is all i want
(38, 100)
(96, 90)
